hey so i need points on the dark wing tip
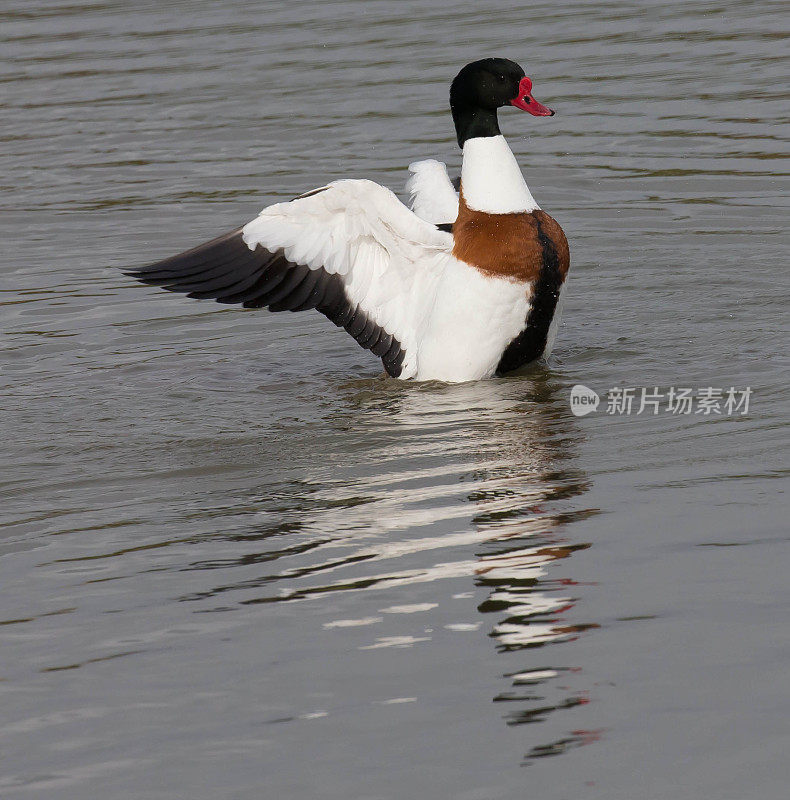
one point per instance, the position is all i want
(224, 269)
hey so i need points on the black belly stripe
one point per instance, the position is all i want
(531, 342)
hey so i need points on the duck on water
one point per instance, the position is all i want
(464, 286)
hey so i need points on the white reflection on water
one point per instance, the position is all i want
(496, 512)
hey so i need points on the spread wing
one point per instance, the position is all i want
(351, 250)
(433, 196)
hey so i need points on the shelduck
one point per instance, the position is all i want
(464, 285)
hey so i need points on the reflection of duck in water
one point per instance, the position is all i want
(522, 515)
(418, 494)
(519, 439)
(464, 286)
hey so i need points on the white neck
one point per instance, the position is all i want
(491, 178)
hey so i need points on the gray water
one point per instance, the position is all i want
(238, 562)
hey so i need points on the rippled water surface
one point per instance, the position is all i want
(238, 562)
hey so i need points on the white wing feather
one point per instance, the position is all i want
(433, 197)
(390, 260)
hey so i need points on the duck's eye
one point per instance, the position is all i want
(501, 78)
